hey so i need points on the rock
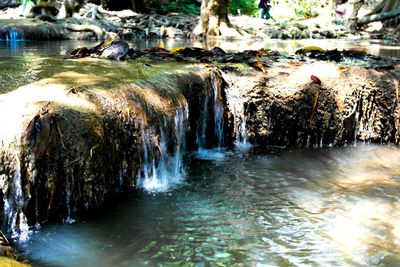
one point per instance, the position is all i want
(75, 137)
(80, 143)
(300, 26)
(285, 35)
(8, 255)
(275, 34)
(356, 104)
(116, 50)
(37, 30)
(170, 32)
(8, 3)
(327, 34)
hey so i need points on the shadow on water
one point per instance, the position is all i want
(326, 207)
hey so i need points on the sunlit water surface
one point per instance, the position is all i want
(313, 207)
(26, 62)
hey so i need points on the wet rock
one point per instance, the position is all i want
(76, 145)
(351, 104)
(8, 255)
(116, 50)
(32, 31)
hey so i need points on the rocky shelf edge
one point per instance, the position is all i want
(65, 147)
(319, 104)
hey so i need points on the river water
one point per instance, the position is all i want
(280, 207)
(25, 62)
(234, 207)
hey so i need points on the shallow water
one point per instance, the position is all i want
(325, 207)
(29, 62)
(25, 62)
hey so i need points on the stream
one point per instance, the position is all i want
(312, 207)
(242, 206)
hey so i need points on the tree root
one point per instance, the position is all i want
(379, 17)
(95, 29)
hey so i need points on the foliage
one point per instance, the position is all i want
(246, 7)
(25, 3)
(306, 9)
(180, 6)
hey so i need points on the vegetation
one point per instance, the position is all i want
(307, 9)
(214, 20)
(180, 6)
(243, 7)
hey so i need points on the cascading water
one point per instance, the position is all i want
(159, 173)
(214, 98)
(218, 110)
(241, 135)
(202, 126)
(236, 106)
(10, 34)
(69, 219)
(13, 206)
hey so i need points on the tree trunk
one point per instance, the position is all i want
(214, 20)
(352, 21)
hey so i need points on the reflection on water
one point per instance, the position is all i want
(327, 207)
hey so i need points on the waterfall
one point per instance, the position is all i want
(14, 218)
(218, 107)
(213, 104)
(202, 126)
(160, 173)
(241, 135)
(69, 219)
(12, 35)
(235, 101)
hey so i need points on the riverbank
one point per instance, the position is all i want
(94, 22)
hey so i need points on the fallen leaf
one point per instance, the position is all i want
(259, 65)
(295, 63)
(315, 79)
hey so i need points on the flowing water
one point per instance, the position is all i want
(240, 207)
(314, 207)
(169, 170)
